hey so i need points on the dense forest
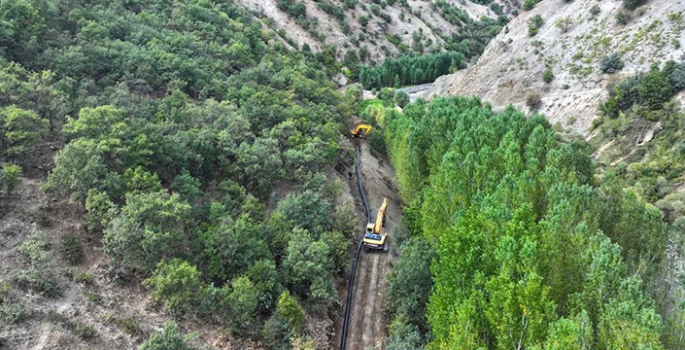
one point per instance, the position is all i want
(180, 119)
(201, 155)
(411, 70)
(461, 46)
(515, 242)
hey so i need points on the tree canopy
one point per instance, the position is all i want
(531, 251)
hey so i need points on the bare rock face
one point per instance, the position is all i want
(382, 36)
(572, 41)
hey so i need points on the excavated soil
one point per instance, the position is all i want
(367, 324)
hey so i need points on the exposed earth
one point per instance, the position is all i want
(367, 324)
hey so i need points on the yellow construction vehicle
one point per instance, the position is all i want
(360, 130)
(374, 237)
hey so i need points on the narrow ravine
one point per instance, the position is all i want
(367, 326)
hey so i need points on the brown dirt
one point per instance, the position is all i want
(367, 324)
(29, 207)
(430, 24)
(513, 63)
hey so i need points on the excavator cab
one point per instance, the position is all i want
(374, 237)
(360, 130)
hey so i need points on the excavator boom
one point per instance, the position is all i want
(380, 219)
(361, 130)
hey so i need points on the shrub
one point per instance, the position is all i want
(529, 4)
(10, 177)
(534, 25)
(169, 339)
(401, 98)
(10, 310)
(621, 18)
(36, 248)
(595, 10)
(38, 282)
(130, 325)
(533, 100)
(564, 24)
(655, 89)
(633, 4)
(70, 248)
(548, 75)
(94, 297)
(85, 331)
(276, 333)
(82, 277)
(611, 64)
(375, 9)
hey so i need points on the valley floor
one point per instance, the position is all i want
(367, 324)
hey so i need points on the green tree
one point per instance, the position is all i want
(19, 131)
(265, 278)
(10, 177)
(151, 227)
(339, 247)
(410, 283)
(571, 334)
(233, 246)
(403, 336)
(177, 283)
(308, 266)
(242, 303)
(79, 168)
(307, 210)
(655, 88)
(290, 310)
(401, 98)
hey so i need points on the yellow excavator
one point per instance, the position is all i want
(361, 130)
(374, 237)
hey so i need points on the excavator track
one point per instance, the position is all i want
(350, 288)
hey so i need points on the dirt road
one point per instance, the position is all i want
(367, 326)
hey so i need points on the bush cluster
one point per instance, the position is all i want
(70, 248)
(649, 90)
(411, 70)
(187, 118)
(534, 25)
(10, 177)
(611, 64)
(633, 4)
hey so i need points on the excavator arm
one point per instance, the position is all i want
(361, 130)
(380, 219)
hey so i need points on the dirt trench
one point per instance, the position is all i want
(367, 323)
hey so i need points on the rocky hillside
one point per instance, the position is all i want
(557, 56)
(384, 28)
